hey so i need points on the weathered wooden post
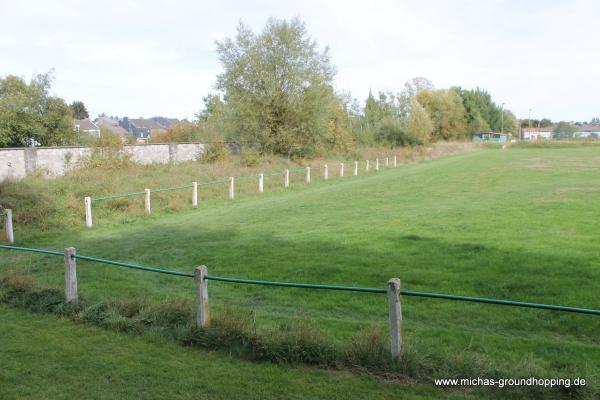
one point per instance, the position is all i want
(325, 172)
(203, 312)
(307, 174)
(286, 181)
(395, 161)
(395, 313)
(387, 161)
(367, 166)
(377, 164)
(261, 183)
(148, 205)
(70, 275)
(341, 170)
(355, 168)
(87, 201)
(195, 194)
(231, 187)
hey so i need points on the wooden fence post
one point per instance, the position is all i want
(395, 313)
(395, 161)
(355, 168)
(231, 187)
(377, 164)
(70, 275)
(195, 194)
(325, 172)
(203, 312)
(387, 161)
(286, 181)
(367, 166)
(8, 225)
(341, 170)
(87, 201)
(307, 174)
(261, 183)
(148, 205)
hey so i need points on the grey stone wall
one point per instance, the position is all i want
(16, 163)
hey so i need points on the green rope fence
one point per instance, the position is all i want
(319, 286)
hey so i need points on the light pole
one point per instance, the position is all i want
(502, 119)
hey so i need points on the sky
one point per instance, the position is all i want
(147, 58)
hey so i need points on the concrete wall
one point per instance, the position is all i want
(16, 163)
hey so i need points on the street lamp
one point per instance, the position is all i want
(502, 119)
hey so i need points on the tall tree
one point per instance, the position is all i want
(277, 88)
(78, 110)
(28, 114)
(447, 113)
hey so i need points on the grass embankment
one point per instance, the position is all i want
(514, 224)
(42, 204)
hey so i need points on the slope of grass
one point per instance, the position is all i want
(43, 357)
(516, 224)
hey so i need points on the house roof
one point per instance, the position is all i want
(85, 125)
(146, 123)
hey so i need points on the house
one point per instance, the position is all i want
(112, 124)
(537, 133)
(490, 137)
(587, 131)
(86, 126)
(144, 128)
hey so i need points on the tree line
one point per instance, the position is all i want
(276, 94)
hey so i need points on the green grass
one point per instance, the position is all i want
(44, 357)
(517, 224)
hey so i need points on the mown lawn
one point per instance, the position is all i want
(516, 224)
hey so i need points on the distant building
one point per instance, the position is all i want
(490, 137)
(144, 128)
(537, 133)
(587, 131)
(87, 127)
(112, 124)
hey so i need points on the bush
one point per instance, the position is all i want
(215, 152)
(250, 158)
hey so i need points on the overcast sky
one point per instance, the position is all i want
(145, 58)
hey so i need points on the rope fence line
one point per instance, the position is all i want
(202, 277)
(231, 180)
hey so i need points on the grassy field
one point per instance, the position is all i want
(515, 224)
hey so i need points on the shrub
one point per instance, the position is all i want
(250, 158)
(215, 152)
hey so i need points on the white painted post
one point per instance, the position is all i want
(261, 183)
(367, 166)
(231, 187)
(387, 161)
(70, 275)
(377, 164)
(8, 224)
(395, 162)
(203, 312)
(307, 174)
(341, 170)
(88, 212)
(286, 182)
(395, 313)
(195, 194)
(148, 205)
(325, 172)
(355, 168)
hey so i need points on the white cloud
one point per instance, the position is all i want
(158, 57)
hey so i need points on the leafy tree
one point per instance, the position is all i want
(595, 121)
(447, 113)
(419, 126)
(78, 110)
(278, 89)
(28, 113)
(564, 130)
(545, 122)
